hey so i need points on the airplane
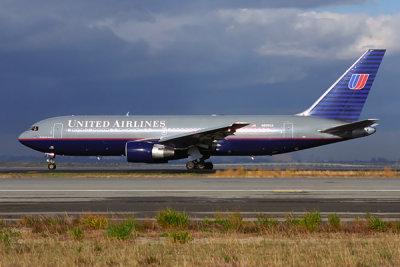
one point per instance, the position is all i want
(159, 139)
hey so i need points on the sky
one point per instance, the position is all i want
(194, 57)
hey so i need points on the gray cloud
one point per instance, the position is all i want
(315, 34)
(202, 57)
(77, 9)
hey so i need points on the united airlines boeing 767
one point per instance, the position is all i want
(158, 139)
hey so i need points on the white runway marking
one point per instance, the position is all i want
(201, 190)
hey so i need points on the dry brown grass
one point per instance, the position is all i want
(266, 249)
(240, 172)
(243, 244)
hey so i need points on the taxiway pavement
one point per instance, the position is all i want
(144, 197)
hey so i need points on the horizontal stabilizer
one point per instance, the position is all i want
(349, 127)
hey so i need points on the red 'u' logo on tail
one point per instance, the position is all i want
(358, 81)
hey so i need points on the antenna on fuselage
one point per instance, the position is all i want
(127, 114)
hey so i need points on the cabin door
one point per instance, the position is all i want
(57, 130)
(288, 130)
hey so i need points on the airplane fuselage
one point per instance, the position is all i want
(108, 135)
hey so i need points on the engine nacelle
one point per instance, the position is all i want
(142, 151)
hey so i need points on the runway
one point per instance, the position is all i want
(200, 197)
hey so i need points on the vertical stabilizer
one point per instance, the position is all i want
(345, 99)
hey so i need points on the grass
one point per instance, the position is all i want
(267, 222)
(291, 220)
(238, 172)
(95, 221)
(277, 173)
(229, 222)
(6, 235)
(180, 237)
(376, 223)
(48, 224)
(334, 221)
(225, 240)
(171, 218)
(77, 233)
(122, 230)
(311, 221)
(315, 249)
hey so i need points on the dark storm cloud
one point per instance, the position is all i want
(124, 8)
(196, 57)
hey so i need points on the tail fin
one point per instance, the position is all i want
(345, 99)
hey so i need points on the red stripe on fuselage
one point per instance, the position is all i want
(94, 138)
(227, 138)
(280, 138)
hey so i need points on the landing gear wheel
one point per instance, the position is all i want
(201, 166)
(190, 165)
(209, 165)
(51, 166)
(50, 160)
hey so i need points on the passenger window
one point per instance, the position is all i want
(35, 128)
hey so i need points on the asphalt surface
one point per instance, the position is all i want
(178, 168)
(144, 197)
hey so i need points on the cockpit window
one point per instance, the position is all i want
(35, 128)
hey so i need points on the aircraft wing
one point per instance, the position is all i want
(350, 126)
(203, 136)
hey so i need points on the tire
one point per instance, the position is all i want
(190, 165)
(51, 166)
(209, 165)
(201, 166)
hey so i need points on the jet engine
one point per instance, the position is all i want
(149, 152)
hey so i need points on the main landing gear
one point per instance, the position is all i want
(198, 160)
(199, 165)
(51, 162)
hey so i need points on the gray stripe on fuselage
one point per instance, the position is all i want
(156, 126)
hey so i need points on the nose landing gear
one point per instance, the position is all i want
(51, 166)
(51, 162)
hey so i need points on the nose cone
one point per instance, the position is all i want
(23, 136)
